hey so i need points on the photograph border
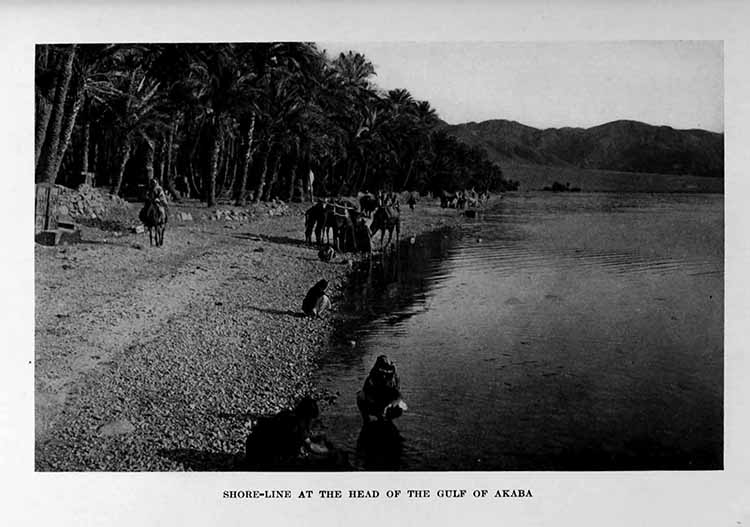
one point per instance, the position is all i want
(589, 498)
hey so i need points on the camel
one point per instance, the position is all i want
(154, 216)
(386, 218)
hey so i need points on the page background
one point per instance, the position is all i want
(606, 498)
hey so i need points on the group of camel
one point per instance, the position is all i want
(341, 222)
(343, 225)
(462, 199)
(341, 217)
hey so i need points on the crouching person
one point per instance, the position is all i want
(326, 253)
(278, 441)
(380, 397)
(317, 302)
(291, 440)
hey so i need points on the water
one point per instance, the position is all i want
(557, 332)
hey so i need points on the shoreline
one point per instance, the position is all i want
(153, 359)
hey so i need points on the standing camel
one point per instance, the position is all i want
(315, 219)
(341, 219)
(386, 218)
(154, 216)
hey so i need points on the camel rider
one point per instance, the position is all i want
(156, 194)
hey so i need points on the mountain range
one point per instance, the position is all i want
(622, 146)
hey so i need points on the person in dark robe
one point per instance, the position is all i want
(380, 396)
(326, 253)
(316, 302)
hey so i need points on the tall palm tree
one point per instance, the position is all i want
(135, 116)
(54, 107)
(220, 86)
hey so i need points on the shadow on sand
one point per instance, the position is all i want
(204, 461)
(280, 240)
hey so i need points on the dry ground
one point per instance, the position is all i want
(157, 358)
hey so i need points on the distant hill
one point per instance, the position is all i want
(622, 146)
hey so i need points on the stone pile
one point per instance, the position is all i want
(87, 202)
(229, 215)
(272, 208)
(278, 208)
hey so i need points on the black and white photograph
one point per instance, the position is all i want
(256, 256)
(351, 266)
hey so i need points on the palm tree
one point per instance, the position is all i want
(134, 115)
(220, 87)
(355, 107)
(54, 107)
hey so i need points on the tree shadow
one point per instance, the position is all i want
(126, 244)
(280, 240)
(288, 312)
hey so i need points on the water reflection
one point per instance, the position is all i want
(379, 446)
(554, 333)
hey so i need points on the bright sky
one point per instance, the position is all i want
(555, 84)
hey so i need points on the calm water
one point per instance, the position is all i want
(557, 332)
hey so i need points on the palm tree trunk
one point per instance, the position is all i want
(48, 161)
(292, 177)
(95, 163)
(85, 148)
(124, 157)
(169, 164)
(191, 179)
(43, 112)
(150, 154)
(274, 177)
(226, 181)
(408, 173)
(248, 158)
(262, 180)
(232, 171)
(214, 168)
(221, 171)
(197, 191)
(344, 180)
(75, 104)
(159, 160)
(43, 104)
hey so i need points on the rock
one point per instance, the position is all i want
(48, 238)
(138, 229)
(113, 428)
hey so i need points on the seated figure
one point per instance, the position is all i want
(316, 301)
(380, 396)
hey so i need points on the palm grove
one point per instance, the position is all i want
(240, 122)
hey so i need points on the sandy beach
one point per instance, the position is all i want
(158, 359)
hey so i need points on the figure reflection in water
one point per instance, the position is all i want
(379, 446)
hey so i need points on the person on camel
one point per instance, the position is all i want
(155, 194)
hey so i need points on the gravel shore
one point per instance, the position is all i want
(157, 359)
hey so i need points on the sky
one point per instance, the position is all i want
(556, 84)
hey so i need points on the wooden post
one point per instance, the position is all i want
(46, 207)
